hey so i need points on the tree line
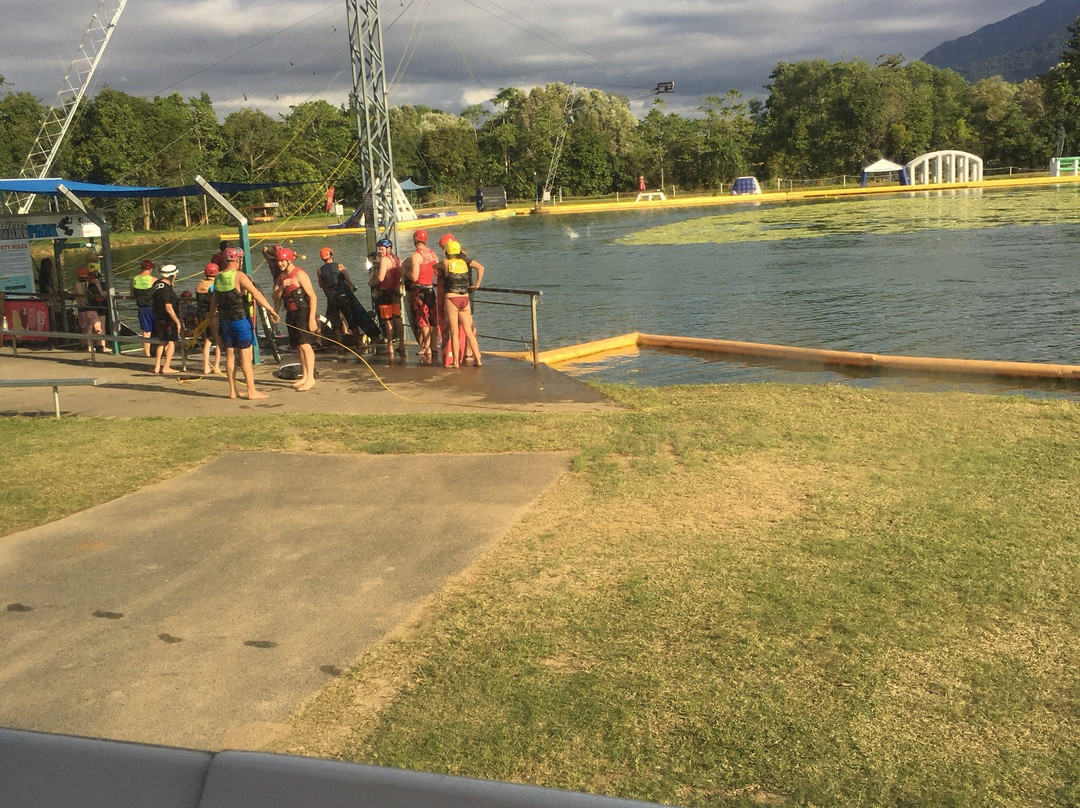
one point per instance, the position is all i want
(819, 119)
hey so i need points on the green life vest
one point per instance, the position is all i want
(140, 286)
(232, 302)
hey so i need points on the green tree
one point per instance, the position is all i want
(725, 136)
(588, 162)
(21, 115)
(253, 144)
(1062, 85)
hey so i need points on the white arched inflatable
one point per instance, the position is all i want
(945, 166)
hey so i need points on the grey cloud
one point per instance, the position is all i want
(229, 48)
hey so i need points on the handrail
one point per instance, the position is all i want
(117, 339)
(534, 299)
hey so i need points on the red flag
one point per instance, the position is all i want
(330, 199)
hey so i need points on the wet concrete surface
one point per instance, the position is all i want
(348, 385)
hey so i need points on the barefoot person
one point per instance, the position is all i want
(87, 290)
(167, 325)
(211, 339)
(295, 291)
(420, 289)
(387, 285)
(142, 291)
(230, 303)
(454, 273)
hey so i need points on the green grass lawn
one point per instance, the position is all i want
(740, 595)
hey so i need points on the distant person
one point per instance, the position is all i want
(211, 338)
(189, 311)
(100, 301)
(230, 303)
(269, 252)
(455, 277)
(420, 289)
(141, 290)
(46, 288)
(295, 292)
(167, 325)
(641, 183)
(87, 289)
(388, 295)
(219, 257)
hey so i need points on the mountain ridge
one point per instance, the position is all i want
(1021, 46)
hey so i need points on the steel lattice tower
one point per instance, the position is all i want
(372, 119)
(59, 117)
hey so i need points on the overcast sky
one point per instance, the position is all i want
(271, 54)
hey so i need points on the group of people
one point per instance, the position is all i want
(438, 290)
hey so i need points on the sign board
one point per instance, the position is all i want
(16, 233)
(27, 315)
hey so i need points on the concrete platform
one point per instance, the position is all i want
(131, 389)
(205, 610)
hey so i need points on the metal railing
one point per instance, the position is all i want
(534, 300)
(15, 334)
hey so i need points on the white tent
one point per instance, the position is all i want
(885, 167)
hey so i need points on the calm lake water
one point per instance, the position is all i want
(983, 275)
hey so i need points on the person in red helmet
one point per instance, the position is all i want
(211, 338)
(420, 288)
(230, 303)
(142, 292)
(336, 284)
(295, 292)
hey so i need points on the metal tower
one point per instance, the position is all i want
(60, 116)
(372, 119)
(549, 183)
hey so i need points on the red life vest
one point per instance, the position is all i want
(428, 260)
(392, 279)
(294, 297)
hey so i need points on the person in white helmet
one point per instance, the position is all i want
(167, 326)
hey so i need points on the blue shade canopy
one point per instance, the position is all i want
(48, 187)
(409, 185)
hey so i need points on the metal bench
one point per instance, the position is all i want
(55, 384)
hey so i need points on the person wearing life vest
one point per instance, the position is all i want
(476, 277)
(141, 286)
(420, 288)
(456, 284)
(229, 303)
(211, 338)
(167, 324)
(295, 292)
(387, 285)
(87, 290)
(336, 284)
